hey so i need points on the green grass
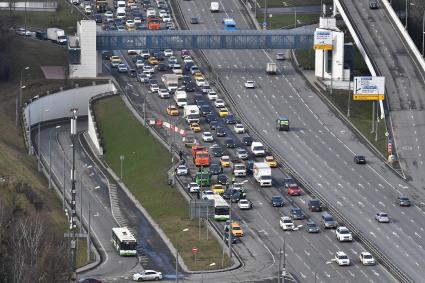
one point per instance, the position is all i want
(65, 17)
(288, 20)
(145, 174)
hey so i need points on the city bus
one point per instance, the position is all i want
(221, 207)
(229, 24)
(124, 241)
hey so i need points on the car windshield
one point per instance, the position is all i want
(311, 225)
(343, 257)
(383, 215)
(276, 199)
(344, 231)
(404, 198)
(243, 201)
(236, 228)
(367, 256)
(328, 218)
(266, 177)
(287, 221)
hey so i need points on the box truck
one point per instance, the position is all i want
(56, 35)
(263, 174)
(271, 68)
(180, 97)
(191, 113)
(215, 7)
(171, 81)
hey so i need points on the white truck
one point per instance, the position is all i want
(171, 81)
(180, 97)
(215, 7)
(263, 174)
(56, 35)
(257, 149)
(271, 68)
(239, 169)
(191, 113)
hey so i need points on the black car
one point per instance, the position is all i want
(215, 168)
(288, 181)
(359, 159)
(210, 117)
(106, 55)
(233, 237)
(186, 79)
(250, 167)
(194, 20)
(222, 179)
(315, 205)
(188, 65)
(153, 82)
(230, 119)
(277, 201)
(205, 110)
(42, 35)
(98, 18)
(200, 102)
(198, 96)
(247, 140)
(220, 131)
(230, 143)
(163, 67)
(297, 214)
(216, 151)
(213, 124)
(190, 87)
(403, 201)
(132, 73)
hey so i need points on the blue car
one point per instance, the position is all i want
(230, 119)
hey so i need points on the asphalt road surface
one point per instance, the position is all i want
(319, 146)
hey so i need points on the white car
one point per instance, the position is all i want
(193, 187)
(341, 258)
(239, 128)
(286, 223)
(140, 64)
(219, 103)
(280, 56)
(382, 217)
(245, 204)
(87, 10)
(145, 54)
(212, 95)
(366, 258)
(163, 93)
(147, 275)
(182, 170)
(166, 19)
(109, 14)
(200, 82)
(149, 69)
(154, 87)
(122, 68)
(207, 137)
(137, 20)
(130, 23)
(162, 13)
(205, 193)
(343, 234)
(250, 84)
(187, 59)
(168, 52)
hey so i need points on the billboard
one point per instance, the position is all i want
(369, 88)
(323, 40)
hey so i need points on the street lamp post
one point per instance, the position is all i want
(177, 256)
(122, 157)
(19, 94)
(50, 155)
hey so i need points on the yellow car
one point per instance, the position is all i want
(198, 76)
(131, 28)
(153, 61)
(223, 112)
(236, 229)
(195, 127)
(172, 110)
(225, 161)
(115, 58)
(218, 189)
(270, 161)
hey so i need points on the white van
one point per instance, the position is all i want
(121, 13)
(120, 4)
(257, 149)
(150, 13)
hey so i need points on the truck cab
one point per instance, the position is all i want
(282, 123)
(373, 4)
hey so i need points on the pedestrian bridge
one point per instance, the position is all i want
(213, 39)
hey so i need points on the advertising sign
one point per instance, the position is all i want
(369, 88)
(323, 40)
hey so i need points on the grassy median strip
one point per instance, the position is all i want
(145, 166)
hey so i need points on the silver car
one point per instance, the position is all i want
(382, 217)
(147, 275)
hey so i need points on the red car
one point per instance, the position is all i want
(294, 190)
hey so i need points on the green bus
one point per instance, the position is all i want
(203, 178)
(282, 123)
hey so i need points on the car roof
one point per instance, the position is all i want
(340, 253)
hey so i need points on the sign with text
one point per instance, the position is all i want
(323, 40)
(369, 88)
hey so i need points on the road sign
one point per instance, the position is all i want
(195, 250)
(369, 88)
(387, 134)
(323, 40)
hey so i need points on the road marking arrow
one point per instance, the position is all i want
(396, 235)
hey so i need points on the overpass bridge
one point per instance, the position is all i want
(85, 46)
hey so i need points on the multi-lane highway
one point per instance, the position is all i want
(320, 147)
(404, 86)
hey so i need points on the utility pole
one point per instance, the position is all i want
(229, 238)
(279, 272)
(73, 200)
(349, 98)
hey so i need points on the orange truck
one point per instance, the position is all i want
(200, 156)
